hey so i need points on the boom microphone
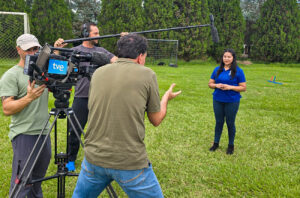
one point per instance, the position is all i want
(214, 31)
(95, 58)
(99, 58)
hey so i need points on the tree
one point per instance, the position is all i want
(119, 16)
(159, 15)
(278, 31)
(51, 19)
(193, 43)
(29, 3)
(251, 9)
(230, 24)
(251, 13)
(13, 6)
(83, 11)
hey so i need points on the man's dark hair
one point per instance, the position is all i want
(86, 29)
(131, 46)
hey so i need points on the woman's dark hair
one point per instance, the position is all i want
(233, 64)
(131, 46)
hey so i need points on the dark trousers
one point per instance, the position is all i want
(80, 108)
(228, 111)
(22, 147)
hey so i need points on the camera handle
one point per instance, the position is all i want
(60, 159)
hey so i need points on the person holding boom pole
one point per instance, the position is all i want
(80, 101)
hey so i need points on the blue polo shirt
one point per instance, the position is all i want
(225, 78)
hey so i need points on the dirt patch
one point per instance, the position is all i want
(244, 62)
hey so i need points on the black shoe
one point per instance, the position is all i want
(214, 147)
(230, 150)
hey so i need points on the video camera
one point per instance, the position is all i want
(60, 72)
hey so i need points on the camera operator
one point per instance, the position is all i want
(120, 94)
(82, 87)
(27, 103)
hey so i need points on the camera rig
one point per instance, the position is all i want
(60, 72)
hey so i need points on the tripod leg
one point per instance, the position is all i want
(61, 187)
(21, 183)
(76, 121)
(74, 128)
(111, 192)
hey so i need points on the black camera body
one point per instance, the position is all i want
(54, 68)
(60, 72)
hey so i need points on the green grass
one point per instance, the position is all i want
(267, 155)
(7, 62)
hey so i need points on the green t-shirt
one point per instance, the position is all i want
(120, 94)
(32, 118)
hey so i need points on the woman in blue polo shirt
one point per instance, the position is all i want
(228, 80)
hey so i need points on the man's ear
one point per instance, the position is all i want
(18, 49)
(139, 59)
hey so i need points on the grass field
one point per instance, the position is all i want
(267, 153)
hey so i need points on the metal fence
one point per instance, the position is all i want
(162, 52)
(12, 25)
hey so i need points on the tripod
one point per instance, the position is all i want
(60, 112)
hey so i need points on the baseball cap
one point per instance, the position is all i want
(26, 41)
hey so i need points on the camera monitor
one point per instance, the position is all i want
(58, 67)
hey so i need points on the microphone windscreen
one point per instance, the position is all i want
(43, 56)
(214, 34)
(211, 17)
(99, 59)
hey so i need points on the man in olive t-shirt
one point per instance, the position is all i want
(120, 94)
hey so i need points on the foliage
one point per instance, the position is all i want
(251, 8)
(193, 43)
(160, 15)
(13, 6)
(29, 3)
(251, 13)
(83, 11)
(273, 32)
(278, 31)
(51, 19)
(230, 24)
(266, 158)
(119, 16)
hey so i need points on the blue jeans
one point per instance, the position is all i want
(226, 110)
(136, 183)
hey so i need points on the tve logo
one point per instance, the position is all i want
(58, 67)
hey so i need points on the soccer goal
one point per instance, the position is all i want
(12, 25)
(162, 52)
